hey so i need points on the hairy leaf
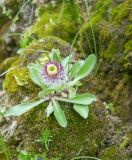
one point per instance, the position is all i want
(34, 73)
(86, 68)
(49, 109)
(55, 55)
(45, 92)
(59, 114)
(84, 99)
(83, 110)
(75, 69)
(22, 108)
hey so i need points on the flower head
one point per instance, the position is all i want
(53, 74)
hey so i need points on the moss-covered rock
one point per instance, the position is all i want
(82, 137)
(17, 79)
(112, 153)
(60, 19)
(111, 23)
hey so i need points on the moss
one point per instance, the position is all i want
(17, 79)
(7, 63)
(128, 31)
(84, 136)
(112, 153)
(102, 7)
(128, 47)
(126, 58)
(86, 35)
(120, 12)
(112, 29)
(61, 21)
(110, 52)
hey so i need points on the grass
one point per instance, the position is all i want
(3, 148)
(86, 158)
(91, 26)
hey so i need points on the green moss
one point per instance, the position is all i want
(84, 136)
(120, 12)
(128, 31)
(86, 35)
(110, 52)
(52, 21)
(17, 79)
(102, 7)
(7, 63)
(112, 153)
(128, 46)
(113, 38)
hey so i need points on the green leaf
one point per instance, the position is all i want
(55, 55)
(72, 92)
(22, 108)
(34, 73)
(84, 99)
(49, 109)
(59, 114)
(45, 92)
(83, 110)
(86, 68)
(76, 67)
(65, 61)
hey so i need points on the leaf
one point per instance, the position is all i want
(83, 110)
(45, 92)
(22, 108)
(72, 92)
(66, 60)
(75, 69)
(59, 114)
(84, 99)
(66, 63)
(55, 55)
(49, 109)
(34, 73)
(86, 68)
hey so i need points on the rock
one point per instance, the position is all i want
(56, 19)
(111, 23)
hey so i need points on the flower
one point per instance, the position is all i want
(53, 74)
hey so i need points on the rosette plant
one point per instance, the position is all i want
(59, 78)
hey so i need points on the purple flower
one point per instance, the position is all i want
(53, 74)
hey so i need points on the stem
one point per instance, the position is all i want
(12, 34)
(95, 46)
(14, 19)
(61, 12)
(84, 157)
(6, 72)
